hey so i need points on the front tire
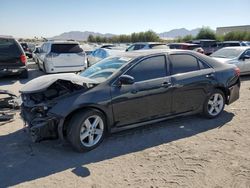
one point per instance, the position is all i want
(214, 104)
(86, 130)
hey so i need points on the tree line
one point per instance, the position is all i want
(148, 36)
(151, 36)
(207, 33)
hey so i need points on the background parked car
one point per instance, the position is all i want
(102, 53)
(239, 56)
(12, 58)
(35, 54)
(209, 46)
(232, 43)
(146, 45)
(183, 46)
(61, 56)
(26, 49)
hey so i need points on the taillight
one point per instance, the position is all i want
(23, 59)
(237, 71)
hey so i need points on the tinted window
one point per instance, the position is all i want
(8, 47)
(183, 63)
(138, 46)
(247, 53)
(203, 65)
(66, 48)
(148, 69)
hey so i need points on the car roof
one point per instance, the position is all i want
(6, 37)
(148, 43)
(237, 47)
(184, 43)
(232, 41)
(62, 42)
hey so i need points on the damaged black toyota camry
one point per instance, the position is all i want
(125, 91)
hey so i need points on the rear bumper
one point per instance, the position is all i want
(234, 93)
(12, 70)
(59, 69)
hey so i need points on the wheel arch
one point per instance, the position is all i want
(70, 115)
(225, 91)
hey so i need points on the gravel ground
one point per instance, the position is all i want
(183, 152)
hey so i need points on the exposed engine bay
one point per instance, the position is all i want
(37, 103)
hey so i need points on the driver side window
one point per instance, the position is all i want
(148, 69)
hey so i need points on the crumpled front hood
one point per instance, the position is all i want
(43, 82)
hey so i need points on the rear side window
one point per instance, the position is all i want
(66, 48)
(150, 68)
(9, 47)
(182, 63)
(138, 46)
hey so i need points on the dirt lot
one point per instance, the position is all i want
(183, 152)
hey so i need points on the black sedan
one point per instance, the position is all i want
(125, 91)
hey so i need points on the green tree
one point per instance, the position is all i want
(91, 38)
(187, 38)
(206, 33)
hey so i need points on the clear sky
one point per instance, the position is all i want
(47, 18)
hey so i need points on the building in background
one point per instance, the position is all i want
(225, 30)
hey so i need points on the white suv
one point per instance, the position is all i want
(61, 56)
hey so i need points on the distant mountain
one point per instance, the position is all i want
(83, 36)
(179, 33)
(79, 35)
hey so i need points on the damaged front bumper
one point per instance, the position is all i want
(41, 127)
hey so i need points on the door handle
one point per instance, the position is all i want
(210, 75)
(166, 84)
(134, 91)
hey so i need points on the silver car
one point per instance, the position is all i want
(239, 56)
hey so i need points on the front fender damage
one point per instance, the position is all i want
(36, 106)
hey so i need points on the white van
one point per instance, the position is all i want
(61, 56)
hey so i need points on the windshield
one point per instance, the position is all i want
(105, 68)
(227, 53)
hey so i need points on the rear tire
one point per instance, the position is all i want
(86, 130)
(214, 104)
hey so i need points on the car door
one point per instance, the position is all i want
(42, 54)
(148, 98)
(245, 62)
(191, 80)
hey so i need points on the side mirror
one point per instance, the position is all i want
(126, 80)
(244, 57)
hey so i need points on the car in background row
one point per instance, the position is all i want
(35, 54)
(232, 43)
(125, 91)
(183, 46)
(61, 56)
(186, 46)
(239, 56)
(146, 45)
(12, 58)
(209, 46)
(100, 54)
(26, 49)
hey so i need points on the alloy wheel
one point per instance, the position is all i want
(91, 131)
(215, 104)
